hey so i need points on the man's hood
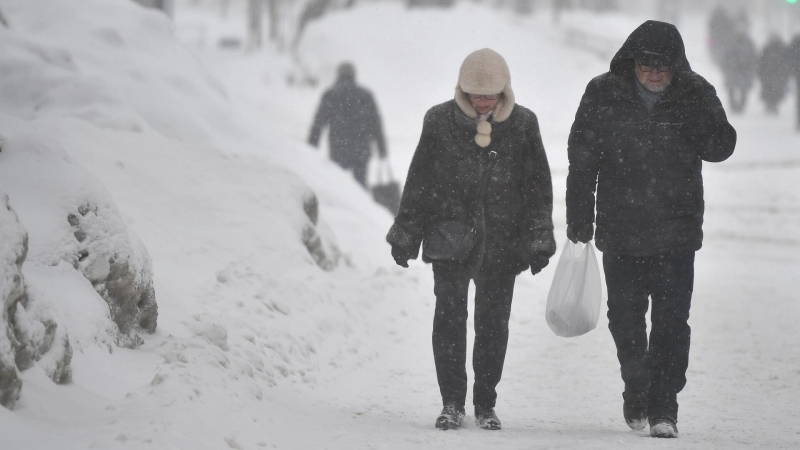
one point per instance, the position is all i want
(652, 41)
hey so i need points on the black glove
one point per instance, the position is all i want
(687, 89)
(400, 256)
(539, 262)
(580, 233)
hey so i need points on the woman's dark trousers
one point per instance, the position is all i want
(492, 311)
(660, 367)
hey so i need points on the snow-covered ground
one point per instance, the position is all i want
(257, 347)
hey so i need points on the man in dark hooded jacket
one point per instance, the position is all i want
(639, 138)
(354, 122)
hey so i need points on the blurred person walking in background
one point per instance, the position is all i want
(739, 68)
(794, 58)
(479, 194)
(773, 72)
(352, 115)
(720, 32)
(640, 136)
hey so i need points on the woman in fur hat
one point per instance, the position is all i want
(479, 195)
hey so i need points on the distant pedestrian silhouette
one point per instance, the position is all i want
(636, 152)
(739, 68)
(720, 27)
(352, 115)
(794, 57)
(773, 72)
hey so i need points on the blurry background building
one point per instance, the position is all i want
(282, 25)
(284, 21)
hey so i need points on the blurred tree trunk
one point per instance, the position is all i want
(313, 10)
(225, 6)
(523, 7)
(254, 29)
(558, 7)
(273, 10)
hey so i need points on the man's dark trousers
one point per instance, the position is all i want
(668, 279)
(360, 173)
(492, 311)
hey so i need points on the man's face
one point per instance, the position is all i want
(482, 104)
(654, 78)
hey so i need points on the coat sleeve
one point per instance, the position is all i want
(537, 194)
(713, 135)
(584, 161)
(321, 120)
(417, 215)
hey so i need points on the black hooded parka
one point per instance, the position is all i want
(514, 224)
(645, 166)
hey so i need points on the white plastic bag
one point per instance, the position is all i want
(573, 303)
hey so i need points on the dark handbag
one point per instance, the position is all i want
(386, 192)
(453, 240)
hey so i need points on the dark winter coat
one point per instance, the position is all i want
(794, 57)
(515, 221)
(354, 122)
(774, 71)
(645, 167)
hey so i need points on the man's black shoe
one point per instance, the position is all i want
(452, 417)
(663, 427)
(634, 409)
(486, 418)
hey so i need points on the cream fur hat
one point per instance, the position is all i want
(485, 72)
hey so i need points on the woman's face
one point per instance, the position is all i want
(483, 103)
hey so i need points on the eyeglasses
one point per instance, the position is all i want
(487, 97)
(647, 68)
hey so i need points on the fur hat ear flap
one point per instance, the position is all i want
(462, 100)
(505, 105)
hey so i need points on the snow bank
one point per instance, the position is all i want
(89, 278)
(252, 283)
(112, 63)
(13, 245)
(71, 218)
(28, 333)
